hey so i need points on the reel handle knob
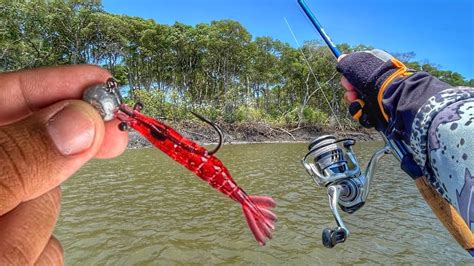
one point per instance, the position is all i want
(332, 237)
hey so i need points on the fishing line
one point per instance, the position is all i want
(316, 80)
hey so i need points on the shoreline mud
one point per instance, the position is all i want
(251, 133)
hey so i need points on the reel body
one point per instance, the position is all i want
(332, 164)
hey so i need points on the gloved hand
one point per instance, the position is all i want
(369, 73)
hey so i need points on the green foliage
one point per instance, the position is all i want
(315, 116)
(153, 102)
(216, 69)
(249, 114)
(209, 112)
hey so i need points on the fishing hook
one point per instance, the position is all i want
(139, 106)
(218, 130)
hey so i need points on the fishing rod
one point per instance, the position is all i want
(333, 164)
(319, 28)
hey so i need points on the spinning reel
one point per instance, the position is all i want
(332, 164)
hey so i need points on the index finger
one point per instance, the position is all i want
(24, 92)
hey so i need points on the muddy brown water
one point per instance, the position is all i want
(143, 208)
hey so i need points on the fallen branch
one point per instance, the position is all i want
(298, 128)
(287, 132)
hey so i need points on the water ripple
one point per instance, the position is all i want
(143, 208)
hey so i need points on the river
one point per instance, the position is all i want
(143, 208)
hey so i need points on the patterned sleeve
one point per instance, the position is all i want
(442, 142)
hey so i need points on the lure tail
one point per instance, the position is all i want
(260, 218)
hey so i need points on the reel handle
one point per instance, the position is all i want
(332, 237)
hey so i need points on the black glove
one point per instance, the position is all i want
(370, 72)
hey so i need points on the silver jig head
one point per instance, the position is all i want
(105, 98)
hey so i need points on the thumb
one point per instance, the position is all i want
(40, 152)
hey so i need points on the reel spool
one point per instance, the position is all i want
(332, 164)
(331, 160)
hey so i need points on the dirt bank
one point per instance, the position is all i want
(255, 133)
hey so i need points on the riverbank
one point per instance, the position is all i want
(244, 133)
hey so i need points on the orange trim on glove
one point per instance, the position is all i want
(357, 115)
(401, 72)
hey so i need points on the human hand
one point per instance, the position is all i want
(46, 135)
(366, 75)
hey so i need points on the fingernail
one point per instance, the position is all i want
(72, 130)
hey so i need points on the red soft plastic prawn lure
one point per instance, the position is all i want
(205, 165)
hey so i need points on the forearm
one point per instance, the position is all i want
(432, 119)
(404, 98)
(441, 142)
(438, 130)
